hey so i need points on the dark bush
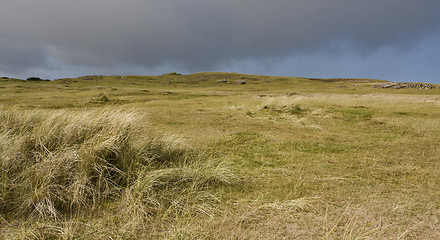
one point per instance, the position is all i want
(34, 79)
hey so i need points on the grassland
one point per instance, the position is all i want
(201, 156)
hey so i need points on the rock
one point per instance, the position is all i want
(222, 81)
(240, 82)
(396, 85)
(172, 74)
(89, 77)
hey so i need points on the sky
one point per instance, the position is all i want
(395, 40)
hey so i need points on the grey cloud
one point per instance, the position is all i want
(202, 35)
(18, 55)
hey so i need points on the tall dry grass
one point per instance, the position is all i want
(60, 164)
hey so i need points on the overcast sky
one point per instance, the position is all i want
(396, 40)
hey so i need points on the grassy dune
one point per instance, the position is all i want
(202, 156)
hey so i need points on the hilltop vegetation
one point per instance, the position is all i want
(218, 156)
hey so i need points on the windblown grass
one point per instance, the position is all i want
(58, 162)
(61, 164)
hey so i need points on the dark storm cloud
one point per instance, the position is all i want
(16, 56)
(202, 34)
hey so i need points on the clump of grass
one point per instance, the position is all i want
(356, 115)
(182, 190)
(100, 99)
(291, 109)
(63, 161)
(57, 163)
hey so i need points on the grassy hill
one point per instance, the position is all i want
(218, 156)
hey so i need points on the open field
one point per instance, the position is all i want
(202, 156)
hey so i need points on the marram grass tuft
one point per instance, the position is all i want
(58, 163)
